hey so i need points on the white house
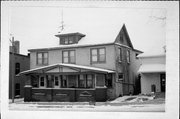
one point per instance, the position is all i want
(153, 73)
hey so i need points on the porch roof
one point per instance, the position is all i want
(152, 68)
(78, 68)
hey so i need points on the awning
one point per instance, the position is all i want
(152, 68)
(61, 67)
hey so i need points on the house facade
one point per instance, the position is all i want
(153, 72)
(18, 63)
(80, 71)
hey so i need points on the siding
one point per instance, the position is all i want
(149, 79)
(82, 57)
(154, 60)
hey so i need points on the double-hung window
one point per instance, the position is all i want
(42, 58)
(42, 82)
(17, 68)
(56, 82)
(82, 81)
(89, 81)
(120, 54)
(98, 55)
(128, 56)
(66, 40)
(69, 56)
(64, 81)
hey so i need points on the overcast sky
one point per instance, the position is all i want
(35, 27)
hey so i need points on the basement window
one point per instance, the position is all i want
(120, 77)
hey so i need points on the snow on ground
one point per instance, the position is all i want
(130, 99)
(135, 108)
(121, 104)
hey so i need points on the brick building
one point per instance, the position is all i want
(18, 63)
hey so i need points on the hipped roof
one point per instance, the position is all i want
(98, 34)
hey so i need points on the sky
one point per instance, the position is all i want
(36, 27)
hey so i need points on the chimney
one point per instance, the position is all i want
(16, 47)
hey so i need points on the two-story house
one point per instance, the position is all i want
(94, 66)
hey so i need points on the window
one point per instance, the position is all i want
(102, 55)
(56, 81)
(94, 55)
(89, 81)
(42, 82)
(42, 58)
(100, 80)
(136, 55)
(120, 54)
(120, 77)
(98, 55)
(71, 40)
(67, 40)
(64, 81)
(128, 56)
(49, 81)
(17, 68)
(35, 81)
(69, 56)
(82, 81)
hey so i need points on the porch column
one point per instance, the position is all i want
(94, 80)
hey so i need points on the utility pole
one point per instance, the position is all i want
(12, 60)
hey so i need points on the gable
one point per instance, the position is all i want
(123, 38)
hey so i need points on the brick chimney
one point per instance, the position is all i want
(15, 46)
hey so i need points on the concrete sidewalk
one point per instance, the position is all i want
(156, 105)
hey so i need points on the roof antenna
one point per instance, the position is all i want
(62, 22)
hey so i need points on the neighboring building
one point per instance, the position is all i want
(153, 72)
(95, 66)
(18, 63)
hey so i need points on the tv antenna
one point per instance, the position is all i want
(62, 22)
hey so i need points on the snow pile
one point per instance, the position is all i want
(130, 99)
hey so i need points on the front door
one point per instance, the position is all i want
(163, 82)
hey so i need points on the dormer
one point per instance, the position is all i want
(69, 38)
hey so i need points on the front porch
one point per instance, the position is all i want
(66, 83)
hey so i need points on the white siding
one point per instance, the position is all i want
(82, 57)
(149, 79)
